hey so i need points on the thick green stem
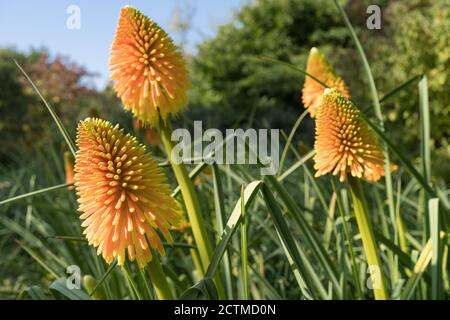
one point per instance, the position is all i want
(368, 239)
(190, 200)
(376, 106)
(159, 279)
(349, 241)
(191, 203)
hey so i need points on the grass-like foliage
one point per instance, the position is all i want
(246, 236)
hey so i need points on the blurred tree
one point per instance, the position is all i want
(14, 132)
(416, 43)
(25, 122)
(229, 82)
(227, 74)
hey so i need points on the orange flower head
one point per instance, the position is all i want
(123, 195)
(319, 67)
(149, 72)
(344, 142)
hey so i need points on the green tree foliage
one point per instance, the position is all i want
(230, 82)
(417, 42)
(13, 103)
(25, 123)
(229, 78)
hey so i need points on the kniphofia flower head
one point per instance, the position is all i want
(149, 72)
(344, 142)
(319, 67)
(123, 194)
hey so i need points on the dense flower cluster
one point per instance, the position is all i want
(344, 142)
(149, 72)
(319, 67)
(123, 194)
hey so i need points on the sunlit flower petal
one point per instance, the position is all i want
(150, 73)
(122, 193)
(319, 67)
(344, 142)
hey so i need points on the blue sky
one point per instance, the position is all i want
(27, 24)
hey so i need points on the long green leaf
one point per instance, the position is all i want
(291, 66)
(52, 112)
(249, 194)
(419, 268)
(60, 286)
(105, 275)
(396, 90)
(425, 147)
(308, 275)
(402, 157)
(233, 222)
(308, 233)
(289, 140)
(425, 128)
(34, 193)
(297, 165)
(436, 252)
(244, 257)
(219, 207)
(376, 104)
(205, 289)
(36, 293)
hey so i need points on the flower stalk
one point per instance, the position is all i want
(192, 205)
(368, 239)
(159, 279)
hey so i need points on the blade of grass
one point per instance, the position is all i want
(249, 194)
(273, 294)
(72, 294)
(401, 156)
(307, 232)
(436, 252)
(419, 268)
(317, 189)
(190, 199)
(368, 238)
(52, 112)
(330, 221)
(399, 220)
(244, 247)
(193, 209)
(205, 286)
(291, 66)
(103, 278)
(349, 242)
(313, 282)
(289, 140)
(192, 175)
(34, 193)
(396, 90)
(425, 146)
(204, 289)
(199, 167)
(131, 283)
(297, 165)
(36, 293)
(39, 260)
(220, 220)
(376, 104)
(159, 279)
